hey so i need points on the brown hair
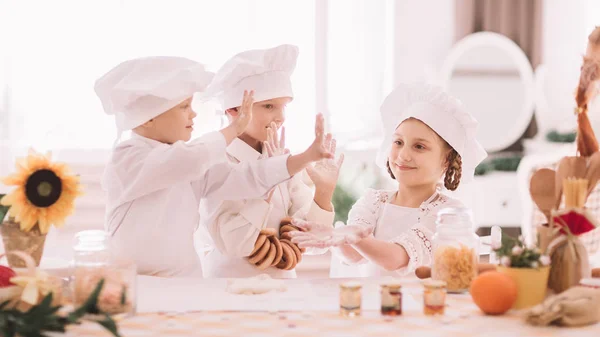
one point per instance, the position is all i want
(590, 73)
(453, 171)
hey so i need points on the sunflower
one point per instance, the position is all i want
(44, 195)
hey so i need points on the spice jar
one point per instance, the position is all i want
(350, 299)
(455, 249)
(391, 299)
(434, 297)
(93, 261)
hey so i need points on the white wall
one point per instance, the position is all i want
(424, 34)
(566, 27)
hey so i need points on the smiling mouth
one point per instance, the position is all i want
(405, 168)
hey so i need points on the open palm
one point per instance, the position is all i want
(324, 174)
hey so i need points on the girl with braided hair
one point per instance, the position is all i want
(587, 90)
(429, 144)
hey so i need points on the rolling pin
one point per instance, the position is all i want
(425, 272)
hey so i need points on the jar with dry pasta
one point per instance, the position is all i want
(455, 249)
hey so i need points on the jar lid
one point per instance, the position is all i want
(351, 285)
(91, 240)
(392, 287)
(391, 283)
(435, 284)
(454, 218)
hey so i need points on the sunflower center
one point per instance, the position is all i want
(43, 188)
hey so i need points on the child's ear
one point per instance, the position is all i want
(233, 112)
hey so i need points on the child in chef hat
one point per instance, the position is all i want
(429, 142)
(234, 225)
(155, 180)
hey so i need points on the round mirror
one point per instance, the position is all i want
(492, 76)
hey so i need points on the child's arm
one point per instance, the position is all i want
(137, 168)
(255, 179)
(348, 254)
(385, 254)
(310, 206)
(363, 213)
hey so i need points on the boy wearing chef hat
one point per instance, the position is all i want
(155, 180)
(429, 138)
(234, 225)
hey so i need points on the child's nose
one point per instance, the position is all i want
(404, 154)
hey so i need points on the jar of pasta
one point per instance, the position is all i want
(455, 249)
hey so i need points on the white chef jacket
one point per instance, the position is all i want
(154, 190)
(234, 225)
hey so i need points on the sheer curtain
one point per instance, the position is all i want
(359, 67)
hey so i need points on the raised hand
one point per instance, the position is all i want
(244, 113)
(324, 174)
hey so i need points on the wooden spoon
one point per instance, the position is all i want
(568, 167)
(593, 171)
(425, 272)
(542, 189)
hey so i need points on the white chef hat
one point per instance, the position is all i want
(138, 90)
(266, 71)
(443, 113)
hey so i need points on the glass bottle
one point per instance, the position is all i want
(94, 261)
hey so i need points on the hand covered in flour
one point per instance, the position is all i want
(324, 174)
(274, 146)
(318, 235)
(244, 113)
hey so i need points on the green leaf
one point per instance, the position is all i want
(558, 137)
(43, 318)
(124, 295)
(90, 306)
(109, 324)
(3, 209)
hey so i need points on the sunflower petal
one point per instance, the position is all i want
(8, 199)
(14, 179)
(44, 225)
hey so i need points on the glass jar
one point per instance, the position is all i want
(93, 262)
(434, 297)
(455, 248)
(350, 299)
(391, 299)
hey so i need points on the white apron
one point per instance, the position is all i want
(393, 221)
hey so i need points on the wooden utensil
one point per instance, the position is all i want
(542, 190)
(568, 167)
(425, 272)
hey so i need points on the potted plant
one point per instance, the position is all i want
(44, 195)
(528, 267)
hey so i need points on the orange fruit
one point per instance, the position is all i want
(494, 292)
